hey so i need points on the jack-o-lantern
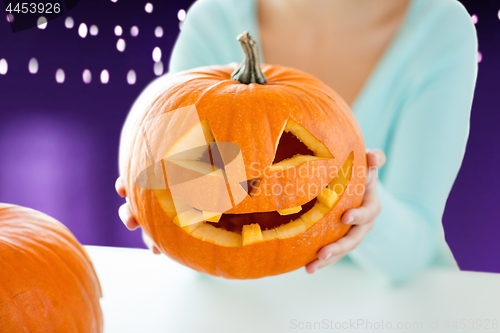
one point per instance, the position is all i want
(47, 281)
(296, 163)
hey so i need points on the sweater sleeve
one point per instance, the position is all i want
(425, 150)
(208, 34)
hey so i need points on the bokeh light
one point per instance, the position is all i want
(134, 31)
(82, 30)
(159, 32)
(4, 67)
(181, 15)
(118, 30)
(60, 76)
(148, 8)
(158, 68)
(33, 66)
(474, 18)
(104, 76)
(86, 76)
(10, 17)
(120, 45)
(41, 22)
(156, 54)
(479, 57)
(94, 30)
(131, 77)
(69, 23)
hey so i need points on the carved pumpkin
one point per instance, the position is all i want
(298, 162)
(47, 282)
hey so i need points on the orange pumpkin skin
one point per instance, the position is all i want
(253, 117)
(47, 282)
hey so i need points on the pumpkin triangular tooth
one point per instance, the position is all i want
(211, 217)
(289, 211)
(251, 234)
(328, 197)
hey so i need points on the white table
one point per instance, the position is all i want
(145, 293)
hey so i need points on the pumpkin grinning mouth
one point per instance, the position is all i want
(236, 230)
(266, 220)
(198, 154)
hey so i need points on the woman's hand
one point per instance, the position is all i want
(361, 218)
(127, 218)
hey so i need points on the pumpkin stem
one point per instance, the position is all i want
(249, 70)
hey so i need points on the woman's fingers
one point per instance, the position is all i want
(126, 216)
(128, 219)
(370, 208)
(317, 264)
(362, 218)
(131, 223)
(347, 243)
(150, 244)
(375, 158)
(120, 187)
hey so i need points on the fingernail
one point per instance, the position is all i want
(351, 219)
(122, 213)
(328, 256)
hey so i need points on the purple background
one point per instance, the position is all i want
(59, 142)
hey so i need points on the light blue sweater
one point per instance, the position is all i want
(415, 106)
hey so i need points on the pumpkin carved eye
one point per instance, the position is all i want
(297, 145)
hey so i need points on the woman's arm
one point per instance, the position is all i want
(425, 152)
(208, 35)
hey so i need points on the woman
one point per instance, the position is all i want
(406, 67)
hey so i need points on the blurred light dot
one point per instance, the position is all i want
(41, 22)
(69, 23)
(479, 57)
(131, 77)
(82, 30)
(114, 1)
(94, 30)
(4, 67)
(474, 18)
(120, 45)
(148, 8)
(118, 30)
(156, 54)
(86, 76)
(33, 66)
(104, 76)
(10, 17)
(159, 32)
(158, 68)
(181, 15)
(499, 14)
(134, 31)
(60, 76)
